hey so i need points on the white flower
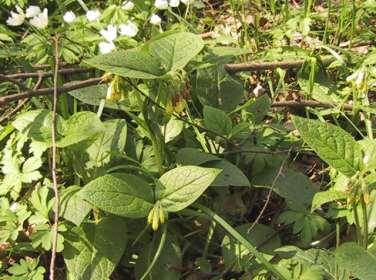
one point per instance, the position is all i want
(93, 15)
(128, 5)
(161, 4)
(32, 11)
(174, 3)
(13, 207)
(16, 19)
(155, 19)
(358, 78)
(110, 33)
(186, 2)
(129, 29)
(366, 159)
(41, 20)
(106, 47)
(69, 17)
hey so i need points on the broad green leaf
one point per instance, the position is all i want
(231, 175)
(121, 194)
(334, 145)
(180, 187)
(170, 257)
(294, 186)
(72, 207)
(79, 127)
(217, 121)
(358, 261)
(93, 250)
(259, 108)
(133, 63)
(176, 50)
(172, 129)
(94, 95)
(261, 236)
(321, 198)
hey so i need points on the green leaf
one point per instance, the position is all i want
(93, 250)
(259, 108)
(73, 208)
(321, 198)
(191, 156)
(172, 129)
(334, 145)
(170, 257)
(358, 261)
(217, 120)
(294, 186)
(121, 194)
(181, 186)
(238, 256)
(133, 63)
(176, 50)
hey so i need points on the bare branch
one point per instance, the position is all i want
(63, 71)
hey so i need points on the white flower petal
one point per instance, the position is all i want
(33, 11)
(129, 29)
(16, 19)
(186, 2)
(93, 15)
(41, 20)
(128, 5)
(161, 4)
(155, 19)
(69, 17)
(13, 207)
(106, 47)
(174, 3)
(110, 33)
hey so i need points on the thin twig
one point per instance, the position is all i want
(21, 103)
(279, 173)
(47, 91)
(13, 81)
(54, 156)
(309, 103)
(63, 71)
(259, 66)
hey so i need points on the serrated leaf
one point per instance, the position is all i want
(121, 194)
(321, 198)
(93, 250)
(217, 120)
(334, 145)
(358, 261)
(181, 186)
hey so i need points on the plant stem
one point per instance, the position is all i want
(365, 221)
(357, 224)
(259, 256)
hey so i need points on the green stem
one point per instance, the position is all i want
(357, 224)
(157, 253)
(259, 256)
(365, 221)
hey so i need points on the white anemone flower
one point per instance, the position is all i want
(128, 5)
(32, 11)
(41, 20)
(155, 19)
(110, 33)
(93, 15)
(174, 3)
(129, 29)
(16, 19)
(106, 47)
(161, 4)
(69, 17)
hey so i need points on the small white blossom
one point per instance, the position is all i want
(129, 29)
(258, 90)
(155, 19)
(110, 33)
(32, 11)
(174, 3)
(161, 4)
(106, 47)
(16, 19)
(41, 20)
(366, 159)
(357, 78)
(69, 17)
(93, 15)
(13, 207)
(128, 5)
